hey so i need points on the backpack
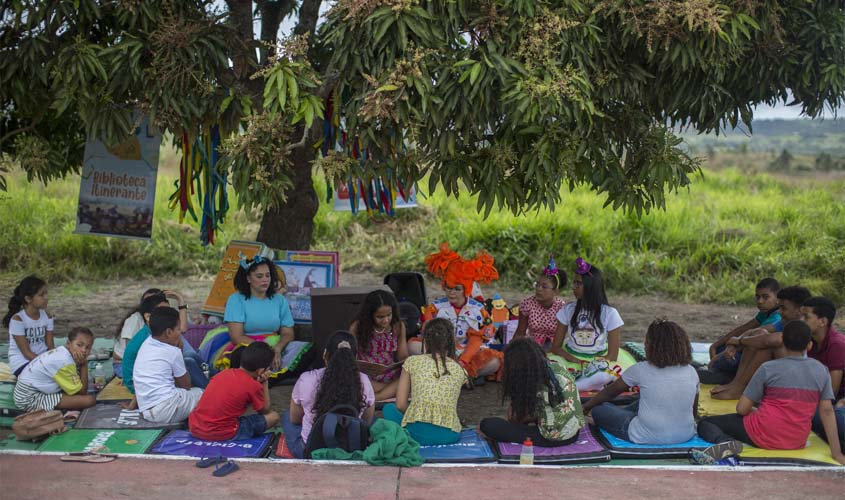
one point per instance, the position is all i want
(37, 424)
(339, 428)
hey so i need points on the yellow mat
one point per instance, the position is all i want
(817, 451)
(114, 391)
(709, 407)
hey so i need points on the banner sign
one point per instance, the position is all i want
(117, 192)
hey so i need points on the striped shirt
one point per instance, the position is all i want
(788, 391)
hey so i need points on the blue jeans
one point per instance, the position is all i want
(839, 414)
(293, 436)
(250, 426)
(193, 363)
(727, 365)
(616, 419)
(424, 433)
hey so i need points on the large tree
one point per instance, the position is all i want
(507, 99)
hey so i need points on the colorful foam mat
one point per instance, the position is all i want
(8, 408)
(471, 448)
(113, 392)
(817, 452)
(182, 443)
(112, 416)
(585, 450)
(130, 441)
(619, 448)
(12, 443)
(281, 450)
(709, 407)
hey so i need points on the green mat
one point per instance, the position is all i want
(130, 441)
(11, 443)
(7, 401)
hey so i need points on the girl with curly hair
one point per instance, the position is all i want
(543, 401)
(668, 404)
(380, 332)
(318, 391)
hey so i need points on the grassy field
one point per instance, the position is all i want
(711, 245)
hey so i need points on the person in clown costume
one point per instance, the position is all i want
(474, 330)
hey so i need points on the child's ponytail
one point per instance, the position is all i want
(439, 342)
(28, 287)
(341, 382)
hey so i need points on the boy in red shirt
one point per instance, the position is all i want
(219, 415)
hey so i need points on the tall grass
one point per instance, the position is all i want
(710, 245)
(713, 243)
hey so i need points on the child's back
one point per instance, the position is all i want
(434, 399)
(788, 390)
(227, 397)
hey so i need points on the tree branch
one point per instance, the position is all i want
(309, 12)
(240, 16)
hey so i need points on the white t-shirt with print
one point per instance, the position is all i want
(52, 371)
(156, 367)
(35, 331)
(586, 338)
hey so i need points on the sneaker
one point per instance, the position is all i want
(711, 455)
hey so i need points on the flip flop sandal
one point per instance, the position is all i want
(225, 469)
(88, 457)
(207, 462)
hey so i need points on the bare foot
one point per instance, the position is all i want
(728, 391)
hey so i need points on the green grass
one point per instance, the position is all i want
(711, 245)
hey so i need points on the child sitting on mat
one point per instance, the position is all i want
(543, 401)
(788, 391)
(189, 355)
(588, 328)
(131, 324)
(162, 384)
(432, 381)
(318, 391)
(58, 378)
(538, 313)
(219, 416)
(725, 358)
(668, 404)
(30, 327)
(380, 332)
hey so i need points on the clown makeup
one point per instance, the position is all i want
(456, 295)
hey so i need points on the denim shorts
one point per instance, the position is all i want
(250, 426)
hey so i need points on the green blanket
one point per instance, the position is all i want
(392, 445)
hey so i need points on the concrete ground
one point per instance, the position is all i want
(46, 477)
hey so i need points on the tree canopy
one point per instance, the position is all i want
(511, 99)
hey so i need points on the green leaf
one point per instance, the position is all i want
(476, 69)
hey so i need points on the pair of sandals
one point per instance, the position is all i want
(222, 465)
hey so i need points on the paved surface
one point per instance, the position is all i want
(45, 477)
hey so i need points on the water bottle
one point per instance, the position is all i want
(99, 376)
(526, 456)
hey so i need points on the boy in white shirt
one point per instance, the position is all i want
(162, 384)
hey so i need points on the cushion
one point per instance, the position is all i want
(585, 450)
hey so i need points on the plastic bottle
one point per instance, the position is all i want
(526, 456)
(99, 376)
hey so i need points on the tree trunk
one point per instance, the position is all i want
(291, 225)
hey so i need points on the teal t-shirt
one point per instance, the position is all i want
(259, 316)
(768, 318)
(131, 353)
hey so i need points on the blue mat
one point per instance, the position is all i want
(619, 448)
(182, 443)
(470, 449)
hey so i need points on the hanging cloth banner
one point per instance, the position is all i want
(375, 194)
(199, 176)
(117, 191)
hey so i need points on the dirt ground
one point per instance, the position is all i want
(101, 307)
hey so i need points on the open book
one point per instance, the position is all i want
(373, 369)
